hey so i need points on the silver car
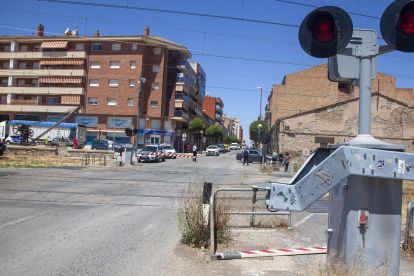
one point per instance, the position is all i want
(213, 150)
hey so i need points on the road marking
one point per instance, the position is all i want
(21, 220)
(304, 219)
(252, 230)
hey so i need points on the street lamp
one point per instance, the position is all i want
(113, 137)
(201, 142)
(260, 112)
(140, 82)
(259, 127)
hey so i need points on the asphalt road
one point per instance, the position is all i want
(99, 220)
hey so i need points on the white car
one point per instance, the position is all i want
(213, 150)
(170, 150)
(233, 146)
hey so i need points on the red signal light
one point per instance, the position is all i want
(407, 23)
(324, 31)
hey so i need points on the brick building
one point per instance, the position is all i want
(308, 111)
(233, 126)
(48, 75)
(213, 107)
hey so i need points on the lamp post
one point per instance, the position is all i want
(140, 82)
(201, 142)
(113, 137)
(260, 112)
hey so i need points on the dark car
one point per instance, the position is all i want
(2, 148)
(102, 144)
(221, 147)
(254, 156)
(55, 141)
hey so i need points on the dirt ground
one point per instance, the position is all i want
(41, 161)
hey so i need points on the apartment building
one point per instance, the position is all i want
(213, 107)
(233, 126)
(241, 134)
(44, 76)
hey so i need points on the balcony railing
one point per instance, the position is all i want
(53, 67)
(64, 85)
(186, 64)
(187, 79)
(25, 102)
(194, 99)
(182, 97)
(180, 113)
(219, 108)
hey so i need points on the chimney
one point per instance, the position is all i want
(40, 29)
(96, 33)
(146, 31)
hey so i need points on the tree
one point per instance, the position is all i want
(254, 131)
(214, 132)
(195, 126)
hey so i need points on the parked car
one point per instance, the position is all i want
(213, 150)
(103, 145)
(13, 139)
(2, 148)
(238, 146)
(170, 150)
(254, 156)
(221, 148)
(148, 153)
(55, 141)
(233, 146)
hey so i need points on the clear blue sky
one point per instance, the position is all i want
(234, 79)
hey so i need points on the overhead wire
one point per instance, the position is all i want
(170, 11)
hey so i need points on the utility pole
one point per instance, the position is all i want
(113, 137)
(140, 82)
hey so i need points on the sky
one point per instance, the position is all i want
(237, 55)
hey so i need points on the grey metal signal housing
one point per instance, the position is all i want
(343, 31)
(390, 26)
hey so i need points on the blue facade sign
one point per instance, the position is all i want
(156, 132)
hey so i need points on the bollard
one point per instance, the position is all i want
(104, 160)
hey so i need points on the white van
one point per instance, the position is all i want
(233, 146)
(243, 145)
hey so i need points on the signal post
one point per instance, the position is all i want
(364, 175)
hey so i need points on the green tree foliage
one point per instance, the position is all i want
(254, 131)
(195, 126)
(228, 139)
(214, 132)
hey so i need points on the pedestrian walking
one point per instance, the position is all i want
(75, 143)
(286, 161)
(195, 153)
(246, 156)
(110, 145)
(47, 141)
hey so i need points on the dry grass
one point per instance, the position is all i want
(194, 227)
(336, 266)
(41, 161)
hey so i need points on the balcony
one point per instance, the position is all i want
(39, 55)
(185, 67)
(43, 72)
(180, 115)
(194, 99)
(185, 78)
(218, 108)
(32, 106)
(182, 97)
(43, 89)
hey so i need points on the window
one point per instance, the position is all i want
(37, 48)
(36, 65)
(155, 86)
(155, 68)
(80, 47)
(134, 46)
(130, 102)
(114, 65)
(154, 104)
(4, 82)
(33, 98)
(6, 65)
(97, 47)
(22, 65)
(113, 83)
(131, 83)
(23, 49)
(133, 64)
(21, 82)
(157, 51)
(116, 46)
(93, 101)
(7, 48)
(112, 101)
(95, 64)
(4, 99)
(51, 101)
(35, 83)
(94, 83)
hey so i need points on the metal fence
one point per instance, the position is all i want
(93, 158)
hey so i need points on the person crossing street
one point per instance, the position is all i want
(195, 153)
(246, 156)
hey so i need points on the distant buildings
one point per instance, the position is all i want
(213, 107)
(44, 76)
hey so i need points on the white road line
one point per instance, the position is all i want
(21, 220)
(304, 219)
(252, 230)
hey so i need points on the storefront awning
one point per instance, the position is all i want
(62, 61)
(54, 44)
(70, 99)
(60, 79)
